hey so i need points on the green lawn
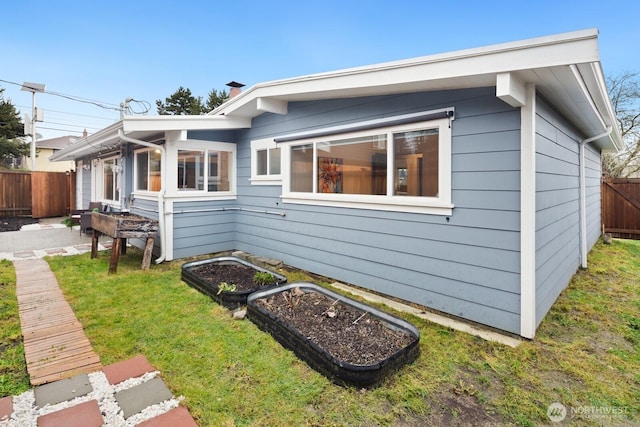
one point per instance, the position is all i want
(586, 353)
(13, 366)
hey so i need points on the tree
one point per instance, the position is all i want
(11, 131)
(180, 103)
(216, 99)
(624, 91)
(183, 102)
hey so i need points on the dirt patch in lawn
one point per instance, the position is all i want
(345, 332)
(12, 223)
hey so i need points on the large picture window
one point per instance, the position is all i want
(404, 167)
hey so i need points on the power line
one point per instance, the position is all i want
(70, 114)
(75, 126)
(100, 104)
(58, 129)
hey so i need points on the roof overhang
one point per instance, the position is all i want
(147, 128)
(565, 69)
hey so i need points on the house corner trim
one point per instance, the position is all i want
(528, 214)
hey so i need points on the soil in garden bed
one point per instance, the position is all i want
(233, 274)
(345, 332)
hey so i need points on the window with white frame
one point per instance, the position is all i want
(204, 170)
(265, 162)
(403, 167)
(147, 170)
(110, 180)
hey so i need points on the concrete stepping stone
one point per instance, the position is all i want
(62, 390)
(137, 398)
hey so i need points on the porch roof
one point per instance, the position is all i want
(148, 128)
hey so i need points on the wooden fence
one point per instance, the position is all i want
(621, 207)
(36, 194)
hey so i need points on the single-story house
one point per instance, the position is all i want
(467, 182)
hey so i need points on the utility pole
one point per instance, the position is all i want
(35, 117)
(124, 108)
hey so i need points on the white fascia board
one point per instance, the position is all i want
(558, 50)
(603, 101)
(90, 144)
(170, 123)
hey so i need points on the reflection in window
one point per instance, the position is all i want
(148, 170)
(268, 161)
(416, 163)
(190, 170)
(219, 171)
(348, 166)
(359, 165)
(302, 168)
(111, 180)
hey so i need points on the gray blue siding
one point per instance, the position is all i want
(593, 174)
(466, 265)
(201, 227)
(558, 205)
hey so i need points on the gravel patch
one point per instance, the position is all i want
(25, 413)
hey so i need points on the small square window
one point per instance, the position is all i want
(265, 162)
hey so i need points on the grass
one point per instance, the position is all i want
(586, 353)
(13, 366)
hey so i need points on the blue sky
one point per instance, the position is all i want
(107, 51)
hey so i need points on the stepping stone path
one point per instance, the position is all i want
(128, 393)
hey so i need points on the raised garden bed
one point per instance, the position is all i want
(349, 342)
(208, 275)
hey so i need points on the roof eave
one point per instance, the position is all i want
(446, 71)
(87, 145)
(145, 124)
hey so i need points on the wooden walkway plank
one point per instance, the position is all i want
(55, 344)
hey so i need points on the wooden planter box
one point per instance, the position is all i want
(125, 226)
(122, 226)
(229, 299)
(339, 371)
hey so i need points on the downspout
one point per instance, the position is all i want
(161, 194)
(583, 196)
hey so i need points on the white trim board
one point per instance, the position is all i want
(528, 214)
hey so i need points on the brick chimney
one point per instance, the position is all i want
(235, 89)
(85, 133)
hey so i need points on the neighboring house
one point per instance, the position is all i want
(45, 148)
(467, 182)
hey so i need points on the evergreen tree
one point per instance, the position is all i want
(180, 103)
(215, 99)
(11, 131)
